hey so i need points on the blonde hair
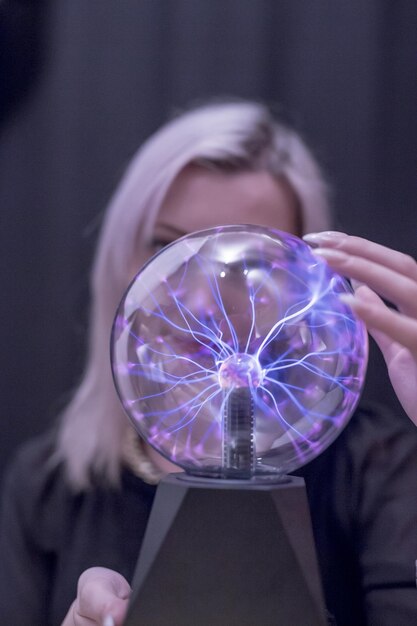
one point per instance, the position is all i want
(227, 135)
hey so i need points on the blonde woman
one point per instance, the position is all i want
(77, 500)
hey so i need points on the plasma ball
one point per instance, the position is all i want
(240, 370)
(232, 350)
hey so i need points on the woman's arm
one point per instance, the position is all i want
(393, 275)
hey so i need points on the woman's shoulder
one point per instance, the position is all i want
(35, 496)
(374, 435)
(380, 429)
(33, 463)
(35, 477)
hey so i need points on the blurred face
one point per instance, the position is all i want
(200, 198)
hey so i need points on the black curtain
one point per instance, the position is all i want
(84, 83)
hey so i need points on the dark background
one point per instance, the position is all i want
(84, 82)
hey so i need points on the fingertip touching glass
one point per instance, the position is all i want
(233, 354)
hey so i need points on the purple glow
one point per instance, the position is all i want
(230, 308)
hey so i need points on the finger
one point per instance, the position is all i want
(102, 611)
(378, 317)
(102, 593)
(75, 619)
(99, 605)
(397, 288)
(358, 246)
(387, 345)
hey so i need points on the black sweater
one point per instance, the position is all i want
(363, 500)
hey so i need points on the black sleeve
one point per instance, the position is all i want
(363, 499)
(25, 569)
(49, 535)
(385, 516)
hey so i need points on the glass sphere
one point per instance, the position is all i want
(234, 356)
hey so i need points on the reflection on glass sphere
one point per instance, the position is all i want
(233, 354)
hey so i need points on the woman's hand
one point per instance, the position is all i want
(102, 598)
(393, 275)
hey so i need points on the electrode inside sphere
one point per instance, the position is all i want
(240, 370)
(233, 354)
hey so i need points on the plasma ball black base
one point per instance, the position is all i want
(227, 553)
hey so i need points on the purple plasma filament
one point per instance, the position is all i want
(233, 307)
